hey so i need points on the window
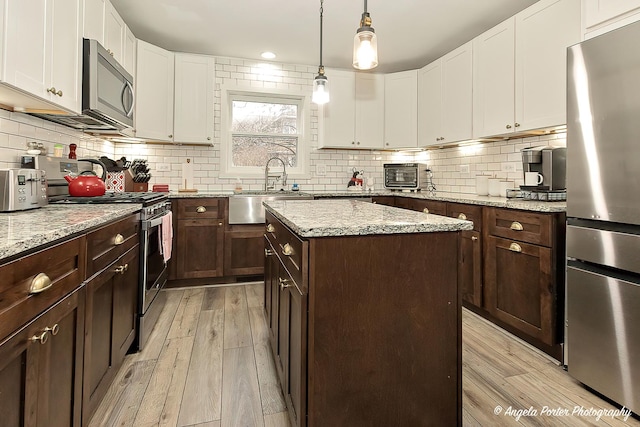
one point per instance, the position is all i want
(262, 126)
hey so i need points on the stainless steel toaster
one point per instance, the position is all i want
(22, 189)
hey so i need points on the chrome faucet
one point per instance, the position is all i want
(283, 177)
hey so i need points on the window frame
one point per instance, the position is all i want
(228, 95)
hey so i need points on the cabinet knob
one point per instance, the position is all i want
(201, 209)
(508, 126)
(474, 238)
(284, 283)
(516, 226)
(387, 144)
(208, 138)
(40, 283)
(122, 268)
(425, 210)
(118, 239)
(43, 337)
(220, 224)
(268, 252)
(52, 90)
(353, 142)
(358, 143)
(110, 52)
(54, 329)
(514, 247)
(462, 216)
(270, 228)
(287, 249)
(517, 125)
(170, 135)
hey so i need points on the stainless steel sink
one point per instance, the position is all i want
(246, 207)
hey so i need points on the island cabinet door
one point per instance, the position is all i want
(470, 267)
(272, 295)
(519, 286)
(295, 387)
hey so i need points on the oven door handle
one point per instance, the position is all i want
(148, 224)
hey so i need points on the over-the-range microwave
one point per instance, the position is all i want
(405, 176)
(107, 95)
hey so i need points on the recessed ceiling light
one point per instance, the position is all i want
(268, 55)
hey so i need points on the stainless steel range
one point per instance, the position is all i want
(153, 268)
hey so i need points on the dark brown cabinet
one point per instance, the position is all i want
(340, 330)
(199, 238)
(384, 200)
(469, 252)
(110, 326)
(435, 207)
(41, 368)
(523, 274)
(244, 250)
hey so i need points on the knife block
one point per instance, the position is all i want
(119, 182)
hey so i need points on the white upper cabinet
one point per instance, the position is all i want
(354, 118)
(194, 90)
(42, 48)
(445, 98)
(430, 104)
(154, 93)
(493, 80)
(601, 16)
(129, 62)
(544, 30)
(519, 73)
(114, 33)
(401, 110)
(94, 13)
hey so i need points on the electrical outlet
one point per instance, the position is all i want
(321, 169)
(464, 168)
(163, 167)
(508, 167)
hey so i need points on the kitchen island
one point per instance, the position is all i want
(364, 313)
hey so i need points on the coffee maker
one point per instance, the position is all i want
(550, 162)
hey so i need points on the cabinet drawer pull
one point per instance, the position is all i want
(268, 252)
(516, 226)
(118, 239)
(43, 337)
(284, 283)
(52, 90)
(40, 283)
(514, 247)
(474, 238)
(54, 329)
(270, 228)
(287, 249)
(462, 216)
(201, 209)
(425, 210)
(508, 126)
(122, 268)
(220, 224)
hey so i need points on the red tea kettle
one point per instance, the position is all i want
(87, 184)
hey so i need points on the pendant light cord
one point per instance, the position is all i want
(365, 6)
(321, 14)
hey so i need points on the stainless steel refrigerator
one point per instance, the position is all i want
(602, 342)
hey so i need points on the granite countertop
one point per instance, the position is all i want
(324, 218)
(26, 230)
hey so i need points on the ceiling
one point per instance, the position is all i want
(411, 33)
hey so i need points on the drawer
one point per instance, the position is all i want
(432, 206)
(59, 268)
(199, 208)
(108, 243)
(468, 212)
(292, 251)
(529, 227)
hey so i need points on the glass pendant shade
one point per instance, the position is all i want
(320, 90)
(365, 50)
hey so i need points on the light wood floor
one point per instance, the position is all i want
(208, 364)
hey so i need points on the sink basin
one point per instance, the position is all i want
(246, 207)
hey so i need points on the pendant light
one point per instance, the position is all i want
(320, 83)
(365, 44)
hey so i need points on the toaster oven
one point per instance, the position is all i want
(405, 176)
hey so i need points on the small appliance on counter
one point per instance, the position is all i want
(406, 176)
(22, 189)
(544, 170)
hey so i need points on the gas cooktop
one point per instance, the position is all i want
(145, 199)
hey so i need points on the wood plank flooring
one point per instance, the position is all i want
(208, 364)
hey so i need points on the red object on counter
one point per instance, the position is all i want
(72, 151)
(160, 188)
(85, 185)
